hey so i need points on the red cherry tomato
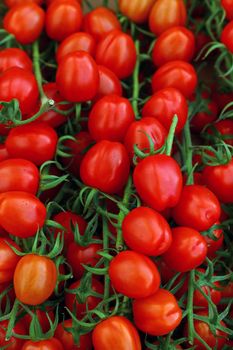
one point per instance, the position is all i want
(109, 83)
(219, 179)
(13, 343)
(76, 42)
(35, 278)
(17, 22)
(156, 190)
(36, 142)
(225, 130)
(99, 22)
(198, 208)
(67, 339)
(138, 132)
(187, 251)
(11, 3)
(117, 52)
(134, 275)
(166, 14)
(156, 237)
(228, 7)
(42, 318)
(13, 57)
(202, 118)
(106, 166)
(9, 259)
(176, 43)
(63, 18)
(164, 104)
(137, 10)
(49, 344)
(3, 153)
(18, 83)
(157, 314)
(177, 74)
(214, 245)
(82, 82)
(110, 118)
(227, 35)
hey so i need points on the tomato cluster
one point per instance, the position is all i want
(116, 175)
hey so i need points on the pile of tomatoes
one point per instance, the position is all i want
(116, 175)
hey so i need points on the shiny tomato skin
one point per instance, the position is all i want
(137, 10)
(146, 231)
(35, 278)
(18, 83)
(134, 274)
(110, 118)
(49, 344)
(226, 36)
(28, 212)
(116, 333)
(219, 179)
(63, 18)
(198, 208)
(27, 179)
(67, 339)
(176, 43)
(36, 142)
(228, 7)
(76, 42)
(99, 22)
(9, 259)
(14, 57)
(203, 330)
(177, 74)
(11, 3)
(157, 314)
(91, 301)
(156, 190)
(166, 14)
(16, 22)
(109, 83)
(13, 343)
(106, 166)
(117, 52)
(82, 82)
(138, 132)
(164, 104)
(187, 251)
(78, 255)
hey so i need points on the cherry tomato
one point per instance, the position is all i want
(219, 179)
(225, 130)
(99, 22)
(117, 52)
(177, 74)
(76, 42)
(28, 212)
(134, 274)
(27, 178)
(138, 132)
(109, 83)
(17, 22)
(82, 82)
(13, 343)
(105, 166)
(110, 118)
(137, 10)
(49, 344)
(18, 83)
(187, 251)
(89, 301)
(42, 318)
(11, 3)
(227, 35)
(67, 339)
(157, 314)
(35, 278)
(214, 245)
(203, 330)
(78, 255)
(166, 14)
(176, 43)
(198, 208)
(69, 220)
(36, 142)
(117, 333)
(202, 118)
(164, 104)
(9, 259)
(156, 190)
(228, 7)
(214, 294)
(156, 237)
(13, 57)
(3, 153)
(63, 18)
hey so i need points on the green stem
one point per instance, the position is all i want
(188, 153)
(78, 108)
(171, 135)
(190, 306)
(106, 247)
(37, 70)
(136, 86)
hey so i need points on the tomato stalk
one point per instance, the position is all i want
(190, 306)
(171, 135)
(188, 153)
(105, 248)
(136, 86)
